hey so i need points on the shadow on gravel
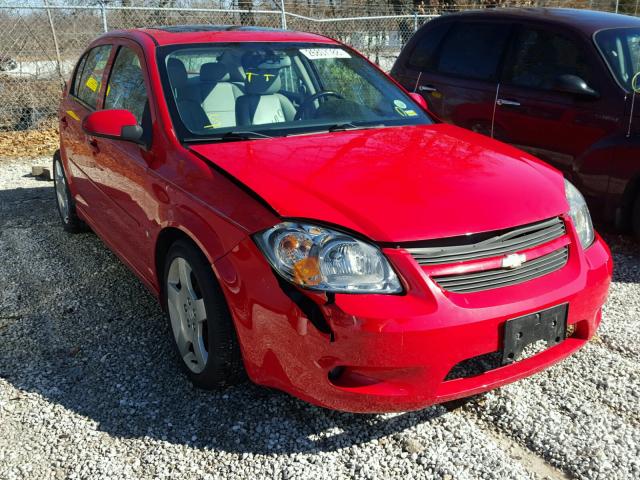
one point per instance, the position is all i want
(77, 328)
(626, 257)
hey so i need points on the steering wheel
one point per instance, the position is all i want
(307, 102)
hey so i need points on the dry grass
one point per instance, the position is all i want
(29, 143)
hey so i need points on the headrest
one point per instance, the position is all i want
(261, 82)
(261, 71)
(265, 60)
(177, 73)
(214, 72)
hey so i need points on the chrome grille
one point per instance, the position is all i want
(501, 243)
(500, 277)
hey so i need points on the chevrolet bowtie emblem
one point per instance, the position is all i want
(514, 260)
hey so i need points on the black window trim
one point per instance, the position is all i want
(603, 58)
(86, 54)
(77, 72)
(116, 47)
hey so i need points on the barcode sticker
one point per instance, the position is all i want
(323, 53)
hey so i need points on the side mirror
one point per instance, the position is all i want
(573, 84)
(114, 124)
(419, 99)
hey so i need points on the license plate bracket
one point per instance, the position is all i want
(549, 325)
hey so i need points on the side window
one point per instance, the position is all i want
(126, 88)
(78, 74)
(89, 85)
(423, 55)
(540, 56)
(473, 50)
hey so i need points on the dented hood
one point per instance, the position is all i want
(396, 184)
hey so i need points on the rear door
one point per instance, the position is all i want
(123, 166)
(82, 99)
(460, 79)
(556, 126)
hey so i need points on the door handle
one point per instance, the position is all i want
(427, 88)
(507, 103)
(94, 145)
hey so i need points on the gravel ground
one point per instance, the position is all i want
(89, 387)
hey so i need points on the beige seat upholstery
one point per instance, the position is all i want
(219, 94)
(263, 103)
(189, 108)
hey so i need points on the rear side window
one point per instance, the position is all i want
(88, 86)
(538, 57)
(126, 88)
(76, 78)
(473, 50)
(423, 55)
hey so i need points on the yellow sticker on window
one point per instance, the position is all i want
(410, 113)
(108, 89)
(92, 84)
(73, 115)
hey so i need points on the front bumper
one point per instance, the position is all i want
(393, 352)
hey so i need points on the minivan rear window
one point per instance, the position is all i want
(473, 50)
(620, 48)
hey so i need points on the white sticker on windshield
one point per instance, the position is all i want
(322, 53)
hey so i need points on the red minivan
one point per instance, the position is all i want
(558, 83)
(302, 219)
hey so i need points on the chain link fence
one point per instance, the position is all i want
(40, 43)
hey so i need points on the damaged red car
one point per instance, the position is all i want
(304, 220)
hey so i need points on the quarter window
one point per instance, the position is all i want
(88, 88)
(126, 89)
(473, 50)
(539, 57)
(76, 78)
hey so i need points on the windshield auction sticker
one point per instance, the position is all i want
(322, 53)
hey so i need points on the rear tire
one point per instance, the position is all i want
(201, 327)
(66, 205)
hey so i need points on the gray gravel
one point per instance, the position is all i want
(89, 387)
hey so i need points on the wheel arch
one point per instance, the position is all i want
(165, 239)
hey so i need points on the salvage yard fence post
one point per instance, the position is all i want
(103, 12)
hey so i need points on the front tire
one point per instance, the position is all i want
(66, 205)
(199, 319)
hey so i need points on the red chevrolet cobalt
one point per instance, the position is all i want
(302, 218)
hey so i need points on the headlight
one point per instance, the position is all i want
(322, 259)
(579, 214)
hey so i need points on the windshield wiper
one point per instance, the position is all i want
(232, 136)
(340, 127)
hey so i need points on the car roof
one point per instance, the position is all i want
(588, 21)
(185, 34)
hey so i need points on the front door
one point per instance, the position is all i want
(122, 166)
(534, 113)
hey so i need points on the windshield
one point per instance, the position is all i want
(277, 89)
(620, 47)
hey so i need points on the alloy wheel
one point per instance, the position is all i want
(188, 315)
(62, 193)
